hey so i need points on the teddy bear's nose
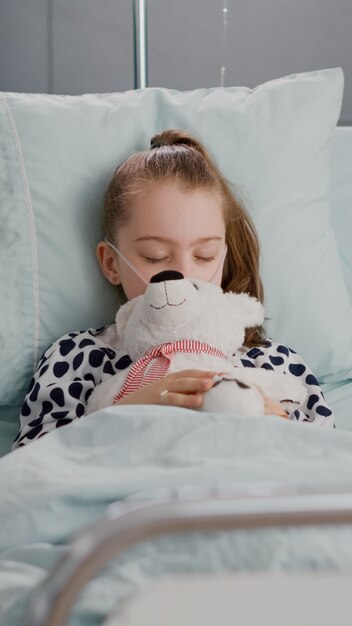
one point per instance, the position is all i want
(166, 275)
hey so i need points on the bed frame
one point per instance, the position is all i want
(93, 548)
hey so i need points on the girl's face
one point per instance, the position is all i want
(169, 228)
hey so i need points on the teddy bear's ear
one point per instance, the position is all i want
(250, 308)
(123, 315)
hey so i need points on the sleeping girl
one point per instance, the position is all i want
(166, 208)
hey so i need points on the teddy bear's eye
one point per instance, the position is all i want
(196, 286)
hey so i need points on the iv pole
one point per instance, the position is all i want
(140, 44)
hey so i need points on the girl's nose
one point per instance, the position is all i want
(183, 266)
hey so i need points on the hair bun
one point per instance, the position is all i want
(154, 143)
(165, 138)
(172, 137)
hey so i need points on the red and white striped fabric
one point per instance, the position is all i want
(158, 359)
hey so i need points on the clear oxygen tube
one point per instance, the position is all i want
(146, 282)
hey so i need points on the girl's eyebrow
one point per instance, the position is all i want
(166, 240)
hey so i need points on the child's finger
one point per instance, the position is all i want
(193, 374)
(190, 385)
(273, 408)
(186, 401)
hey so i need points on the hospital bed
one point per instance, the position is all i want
(316, 598)
(243, 506)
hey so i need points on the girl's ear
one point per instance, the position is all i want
(123, 315)
(108, 263)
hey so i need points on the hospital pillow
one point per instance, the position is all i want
(341, 199)
(57, 154)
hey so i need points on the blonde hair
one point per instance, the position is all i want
(176, 155)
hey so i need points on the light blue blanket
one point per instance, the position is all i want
(63, 482)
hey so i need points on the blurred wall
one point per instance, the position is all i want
(77, 46)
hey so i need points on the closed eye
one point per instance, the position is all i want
(164, 259)
(151, 260)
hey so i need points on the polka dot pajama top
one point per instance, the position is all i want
(72, 366)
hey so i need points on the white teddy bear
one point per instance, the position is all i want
(182, 323)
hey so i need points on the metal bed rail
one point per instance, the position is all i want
(96, 546)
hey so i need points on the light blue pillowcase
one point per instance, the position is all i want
(57, 154)
(341, 198)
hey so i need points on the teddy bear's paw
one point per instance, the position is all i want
(286, 388)
(274, 385)
(289, 405)
(233, 396)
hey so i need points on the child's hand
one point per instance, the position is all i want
(184, 389)
(271, 407)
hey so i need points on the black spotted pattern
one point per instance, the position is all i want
(60, 368)
(66, 375)
(274, 356)
(71, 367)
